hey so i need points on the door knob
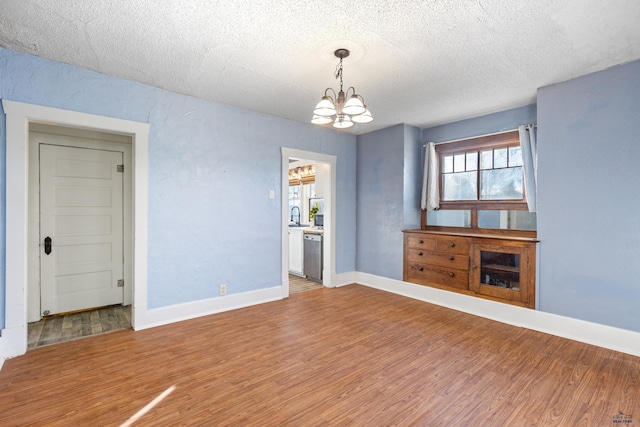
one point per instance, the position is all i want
(47, 245)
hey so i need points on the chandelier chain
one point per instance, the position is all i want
(338, 73)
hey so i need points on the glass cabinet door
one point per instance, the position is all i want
(500, 269)
(504, 271)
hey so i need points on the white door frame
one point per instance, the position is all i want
(329, 236)
(13, 341)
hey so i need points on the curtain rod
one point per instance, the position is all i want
(479, 136)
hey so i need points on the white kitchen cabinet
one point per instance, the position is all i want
(296, 251)
(323, 179)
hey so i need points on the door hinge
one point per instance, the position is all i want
(120, 168)
(120, 283)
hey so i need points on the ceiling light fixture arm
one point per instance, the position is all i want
(332, 98)
(353, 93)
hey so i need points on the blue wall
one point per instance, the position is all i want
(588, 197)
(211, 167)
(413, 159)
(387, 160)
(491, 123)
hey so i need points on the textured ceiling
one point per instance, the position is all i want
(420, 62)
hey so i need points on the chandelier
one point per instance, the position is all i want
(343, 110)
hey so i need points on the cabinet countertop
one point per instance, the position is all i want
(307, 230)
(478, 235)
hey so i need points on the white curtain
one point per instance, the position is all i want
(529, 162)
(430, 188)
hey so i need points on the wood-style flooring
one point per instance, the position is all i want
(349, 356)
(67, 327)
(300, 284)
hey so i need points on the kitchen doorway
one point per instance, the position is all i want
(326, 164)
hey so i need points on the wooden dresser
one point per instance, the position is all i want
(494, 267)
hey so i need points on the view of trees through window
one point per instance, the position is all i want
(489, 174)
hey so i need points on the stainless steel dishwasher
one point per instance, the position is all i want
(313, 256)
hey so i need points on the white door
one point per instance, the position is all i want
(81, 266)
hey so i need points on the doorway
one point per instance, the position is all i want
(19, 118)
(80, 225)
(328, 164)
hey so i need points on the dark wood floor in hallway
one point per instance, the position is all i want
(67, 327)
(350, 356)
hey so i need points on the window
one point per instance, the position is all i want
(489, 174)
(482, 185)
(300, 202)
(482, 172)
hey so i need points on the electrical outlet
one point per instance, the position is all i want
(223, 289)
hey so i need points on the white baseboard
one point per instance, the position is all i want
(179, 312)
(13, 342)
(190, 310)
(609, 337)
(344, 279)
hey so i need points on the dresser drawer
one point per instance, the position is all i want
(453, 245)
(420, 242)
(459, 262)
(423, 274)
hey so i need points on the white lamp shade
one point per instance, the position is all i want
(325, 107)
(363, 118)
(353, 106)
(320, 120)
(342, 122)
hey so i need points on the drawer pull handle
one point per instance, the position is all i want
(474, 266)
(421, 241)
(451, 274)
(451, 258)
(420, 269)
(452, 245)
(419, 253)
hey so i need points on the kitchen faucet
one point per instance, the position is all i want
(298, 216)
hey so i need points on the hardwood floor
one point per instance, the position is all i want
(57, 329)
(350, 356)
(300, 284)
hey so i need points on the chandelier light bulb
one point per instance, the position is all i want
(342, 121)
(325, 107)
(362, 118)
(321, 120)
(353, 106)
